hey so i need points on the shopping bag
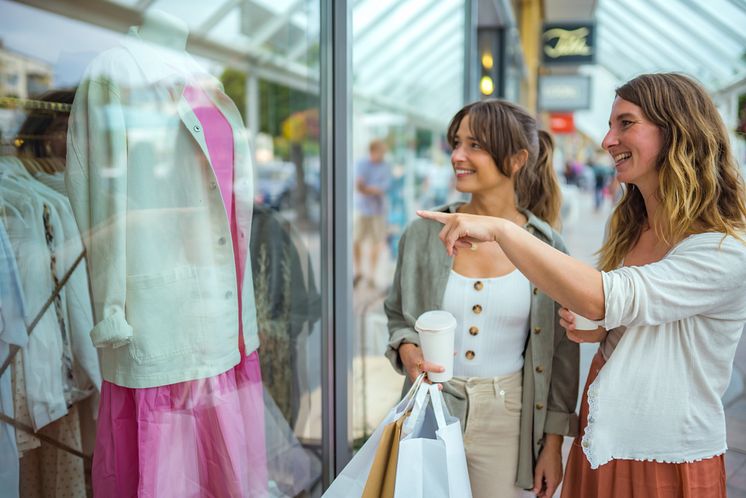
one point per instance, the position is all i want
(382, 475)
(432, 462)
(351, 482)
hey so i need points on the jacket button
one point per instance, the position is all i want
(536, 290)
(213, 185)
(476, 309)
(221, 241)
(473, 330)
(537, 330)
(470, 355)
(540, 369)
(197, 128)
(228, 294)
(478, 285)
(539, 406)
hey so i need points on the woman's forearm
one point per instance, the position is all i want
(565, 279)
(568, 281)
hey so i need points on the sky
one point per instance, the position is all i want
(66, 44)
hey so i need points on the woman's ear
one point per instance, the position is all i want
(518, 160)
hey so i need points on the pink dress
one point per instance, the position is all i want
(200, 438)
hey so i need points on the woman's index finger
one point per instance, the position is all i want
(434, 215)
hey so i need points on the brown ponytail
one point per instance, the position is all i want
(536, 186)
(503, 129)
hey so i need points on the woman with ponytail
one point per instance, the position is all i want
(671, 292)
(515, 379)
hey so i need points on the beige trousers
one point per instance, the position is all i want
(491, 435)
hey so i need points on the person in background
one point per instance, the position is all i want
(373, 176)
(516, 374)
(670, 297)
(601, 177)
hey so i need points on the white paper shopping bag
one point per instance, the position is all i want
(350, 483)
(432, 462)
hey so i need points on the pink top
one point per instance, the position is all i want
(219, 139)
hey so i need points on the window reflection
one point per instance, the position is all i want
(193, 185)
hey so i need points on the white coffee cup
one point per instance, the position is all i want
(583, 323)
(437, 331)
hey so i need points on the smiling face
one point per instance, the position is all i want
(474, 167)
(634, 144)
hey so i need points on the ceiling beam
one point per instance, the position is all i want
(664, 8)
(380, 19)
(272, 27)
(724, 28)
(739, 4)
(418, 39)
(218, 16)
(409, 36)
(658, 37)
(400, 62)
(634, 46)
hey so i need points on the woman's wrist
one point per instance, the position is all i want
(499, 228)
(553, 442)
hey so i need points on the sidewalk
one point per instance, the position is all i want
(376, 387)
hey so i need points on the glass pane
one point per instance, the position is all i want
(408, 81)
(184, 346)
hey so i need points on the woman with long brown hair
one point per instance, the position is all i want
(671, 293)
(515, 373)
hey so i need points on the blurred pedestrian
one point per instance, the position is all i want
(373, 177)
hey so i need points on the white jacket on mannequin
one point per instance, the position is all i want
(150, 211)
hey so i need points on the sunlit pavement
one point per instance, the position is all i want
(376, 387)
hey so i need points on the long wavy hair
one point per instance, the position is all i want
(503, 129)
(700, 188)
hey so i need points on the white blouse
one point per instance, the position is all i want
(493, 319)
(658, 397)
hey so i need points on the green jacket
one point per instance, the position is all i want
(550, 370)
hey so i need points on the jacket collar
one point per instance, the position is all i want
(534, 223)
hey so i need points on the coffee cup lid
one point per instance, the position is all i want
(436, 320)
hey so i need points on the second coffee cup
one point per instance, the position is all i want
(583, 323)
(437, 335)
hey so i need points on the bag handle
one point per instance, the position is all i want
(436, 398)
(410, 396)
(420, 402)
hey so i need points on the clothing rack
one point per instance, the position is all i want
(15, 349)
(43, 438)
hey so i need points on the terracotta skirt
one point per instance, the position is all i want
(633, 479)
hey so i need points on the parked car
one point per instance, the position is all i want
(275, 184)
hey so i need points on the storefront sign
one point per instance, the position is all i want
(565, 92)
(568, 43)
(561, 122)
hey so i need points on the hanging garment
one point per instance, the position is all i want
(199, 437)
(43, 385)
(287, 305)
(49, 472)
(78, 363)
(12, 332)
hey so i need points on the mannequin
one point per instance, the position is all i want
(159, 176)
(163, 29)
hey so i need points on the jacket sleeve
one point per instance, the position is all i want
(96, 180)
(400, 330)
(563, 388)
